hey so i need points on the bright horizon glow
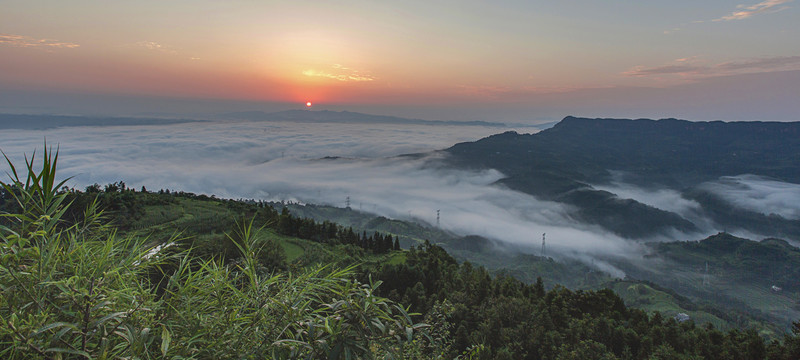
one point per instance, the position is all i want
(475, 60)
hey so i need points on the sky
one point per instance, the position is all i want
(441, 60)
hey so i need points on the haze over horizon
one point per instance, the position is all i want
(465, 60)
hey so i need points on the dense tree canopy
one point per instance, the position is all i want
(74, 286)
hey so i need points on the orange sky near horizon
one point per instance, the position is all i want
(411, 53)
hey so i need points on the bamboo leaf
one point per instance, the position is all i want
(69, 351)
(53, 326)
(120, 314)
(166, 338)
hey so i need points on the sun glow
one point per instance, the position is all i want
(308, 104)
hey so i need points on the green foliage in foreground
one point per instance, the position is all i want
(512, 320)
(78, 290)
(72, 287)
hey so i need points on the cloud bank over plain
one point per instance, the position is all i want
(287, 161)
(326, 163)
(224, 155)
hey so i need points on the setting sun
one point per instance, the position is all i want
(308, 104)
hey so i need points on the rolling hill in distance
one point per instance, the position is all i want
(572, 162)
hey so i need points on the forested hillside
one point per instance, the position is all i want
(177, 275)
(668, 151)
(564, 162)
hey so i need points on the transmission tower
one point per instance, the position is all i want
(437, 218)
(543, 244)
(705, 275)
(347, 202)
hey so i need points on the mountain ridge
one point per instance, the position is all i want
(41, 122)
(329, 116)
(562, 163)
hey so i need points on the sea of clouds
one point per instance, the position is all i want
(325, 163)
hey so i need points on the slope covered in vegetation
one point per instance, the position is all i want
(176, 275)
(562, 163)
(81, 290)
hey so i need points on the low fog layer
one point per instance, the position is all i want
(102, 154)
(664, 199)
(747, 192)
(759, 194)
(326, 163)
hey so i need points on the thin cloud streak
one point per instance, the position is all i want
(779, 62)
(764, 7)
(693, 68)
(154, 46)
(667, 69)
(31, 42)
(340, 73)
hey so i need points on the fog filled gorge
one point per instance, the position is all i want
(325, 163)
(759, 194)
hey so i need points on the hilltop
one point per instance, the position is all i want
(666, 151)
(566, 163)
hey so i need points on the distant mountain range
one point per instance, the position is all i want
(564, 162)
(40, 122)
(348, 117)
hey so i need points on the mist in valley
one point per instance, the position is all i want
(325, 163)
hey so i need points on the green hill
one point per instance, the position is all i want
(177, 275)
(559, 163)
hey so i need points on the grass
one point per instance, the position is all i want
(645, 297)
(293, 248)
(204, 223)
(396, 258)
(410, 233)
